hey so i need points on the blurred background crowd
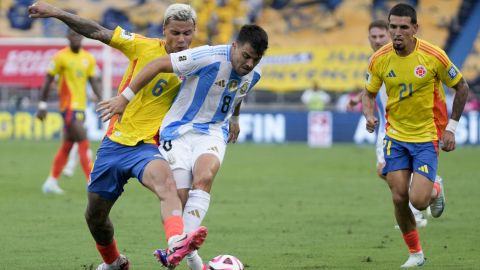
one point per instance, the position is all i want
(331, 35)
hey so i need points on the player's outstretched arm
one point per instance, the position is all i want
(461, 95)
(85, 27)
(152, 69)
(368, 103)
(117, 105)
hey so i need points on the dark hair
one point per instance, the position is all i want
(404, 10)
(255, 36)
(378, 24)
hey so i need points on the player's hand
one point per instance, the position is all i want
(448, 141)
(234, 130)
(351, 104)
(111, 107)
(41, 10)
(41, 114)
(372, 123)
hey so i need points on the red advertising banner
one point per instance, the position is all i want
(25, 65)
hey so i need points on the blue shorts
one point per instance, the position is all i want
(70, 116)
(116, 163)
(417, 157)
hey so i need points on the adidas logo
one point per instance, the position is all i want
(423, 168)
(214, 149)
(220, 83)
(391, 74)
(194, 213)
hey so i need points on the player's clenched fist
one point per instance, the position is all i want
(41, 10)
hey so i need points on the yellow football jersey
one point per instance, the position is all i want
(144, 113)
(73, 70)
(416, 110)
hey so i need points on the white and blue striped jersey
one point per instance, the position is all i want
(208, 94)
(381, 104)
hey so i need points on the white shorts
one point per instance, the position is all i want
(379, 147)
(182, 153)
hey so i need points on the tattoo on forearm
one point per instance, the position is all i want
(87, 28)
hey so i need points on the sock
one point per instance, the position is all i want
(84, 159)
(109, 253)
(173, 226)
(195, 209)
(72, 158)
(194, 261)
(415, 211)
(61, 159)
(413, 241)
(436, 186)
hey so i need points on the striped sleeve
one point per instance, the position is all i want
(446, 70)
(189, 61)
(373, 78)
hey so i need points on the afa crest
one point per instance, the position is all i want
(244, 88)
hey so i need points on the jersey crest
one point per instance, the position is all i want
(420, 71)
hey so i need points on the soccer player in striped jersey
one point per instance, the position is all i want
(196, 129)
(416, 119)
(74, 67)
(129, 148)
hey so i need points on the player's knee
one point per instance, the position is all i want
(203, 181)
(92, 219)
(400, 198)
(164, 186)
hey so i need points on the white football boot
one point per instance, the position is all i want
(414, 260)
(438, 205)
(121, 263)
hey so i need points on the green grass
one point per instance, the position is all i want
(273, 206)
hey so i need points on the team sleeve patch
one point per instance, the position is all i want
(452, 72)
(368, 77)
(127, 35)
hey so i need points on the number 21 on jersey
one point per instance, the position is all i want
(405, 90)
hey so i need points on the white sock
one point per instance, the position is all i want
(416, 213)
(194, 261)
(195, 209)
(51, 179)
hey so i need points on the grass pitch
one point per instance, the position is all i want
(273, 206)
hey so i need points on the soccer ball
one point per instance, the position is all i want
(225, 262)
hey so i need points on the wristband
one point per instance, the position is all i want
(42, 105)
(452, 125)
(234, 119)
(128, 93)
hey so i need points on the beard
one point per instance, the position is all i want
(398, 47)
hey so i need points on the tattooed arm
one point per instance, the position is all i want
(85, 27)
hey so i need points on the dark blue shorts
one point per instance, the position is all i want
(417, 157)
(116, 163)
(70, 116)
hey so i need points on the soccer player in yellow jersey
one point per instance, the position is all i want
(413, 71)
(129, 148)
(74, 67)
